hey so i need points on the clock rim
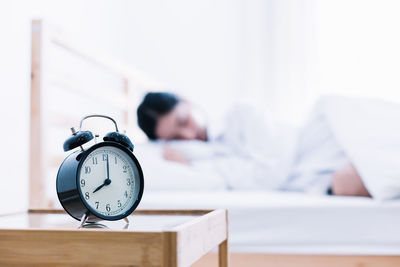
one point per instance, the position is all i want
(85, 154)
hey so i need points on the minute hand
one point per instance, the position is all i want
(108, 169)
(107, 181)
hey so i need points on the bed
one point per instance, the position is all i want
(287, 223)
(284, 228)
(276, 228)
(293, 229)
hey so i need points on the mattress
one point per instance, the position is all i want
(286, 222)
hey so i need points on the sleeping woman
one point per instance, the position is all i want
(250, 149)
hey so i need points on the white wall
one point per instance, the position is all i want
(359, 47)
(292, 59)
(221, 52)
(192, 46)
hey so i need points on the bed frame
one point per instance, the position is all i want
(88, 82)
(50, 121)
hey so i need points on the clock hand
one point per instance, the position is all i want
(106, 182)
(108, 169)
(98, 188)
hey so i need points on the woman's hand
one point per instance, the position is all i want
(174, 155)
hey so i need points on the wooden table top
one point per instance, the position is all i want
(139, 221)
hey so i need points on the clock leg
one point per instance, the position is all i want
(127, 223)
(83, 220)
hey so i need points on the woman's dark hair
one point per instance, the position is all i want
(154, 105)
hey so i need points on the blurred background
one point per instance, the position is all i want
(276, 55)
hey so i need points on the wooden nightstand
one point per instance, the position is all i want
(152, 238)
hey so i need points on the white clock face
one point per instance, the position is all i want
(109, 181)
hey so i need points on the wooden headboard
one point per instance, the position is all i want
(69, 81)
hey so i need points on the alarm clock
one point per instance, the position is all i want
(102, 182)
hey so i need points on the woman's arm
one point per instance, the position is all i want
(174, 155)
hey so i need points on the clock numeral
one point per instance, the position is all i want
(125, 168)
(87, 169)
(126, 194)
(108, 208)
(105, 157)
(115, 160)
(119, 204)
(128, 181)
(87, 195)
(97, 205)
(83, 183)
(94, 159)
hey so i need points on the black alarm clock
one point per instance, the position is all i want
(102, 182)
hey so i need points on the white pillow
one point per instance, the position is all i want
(162, 175)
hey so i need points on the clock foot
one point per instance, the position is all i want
(83, 220)
(127, 223)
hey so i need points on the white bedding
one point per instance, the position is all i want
(286, 222)
(369, 132)
(162, 175)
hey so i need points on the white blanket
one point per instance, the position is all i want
(318, 154)
(369, 132)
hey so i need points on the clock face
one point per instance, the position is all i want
(109, 182)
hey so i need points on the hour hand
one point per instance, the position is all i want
(106, 182)
(99, 187)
